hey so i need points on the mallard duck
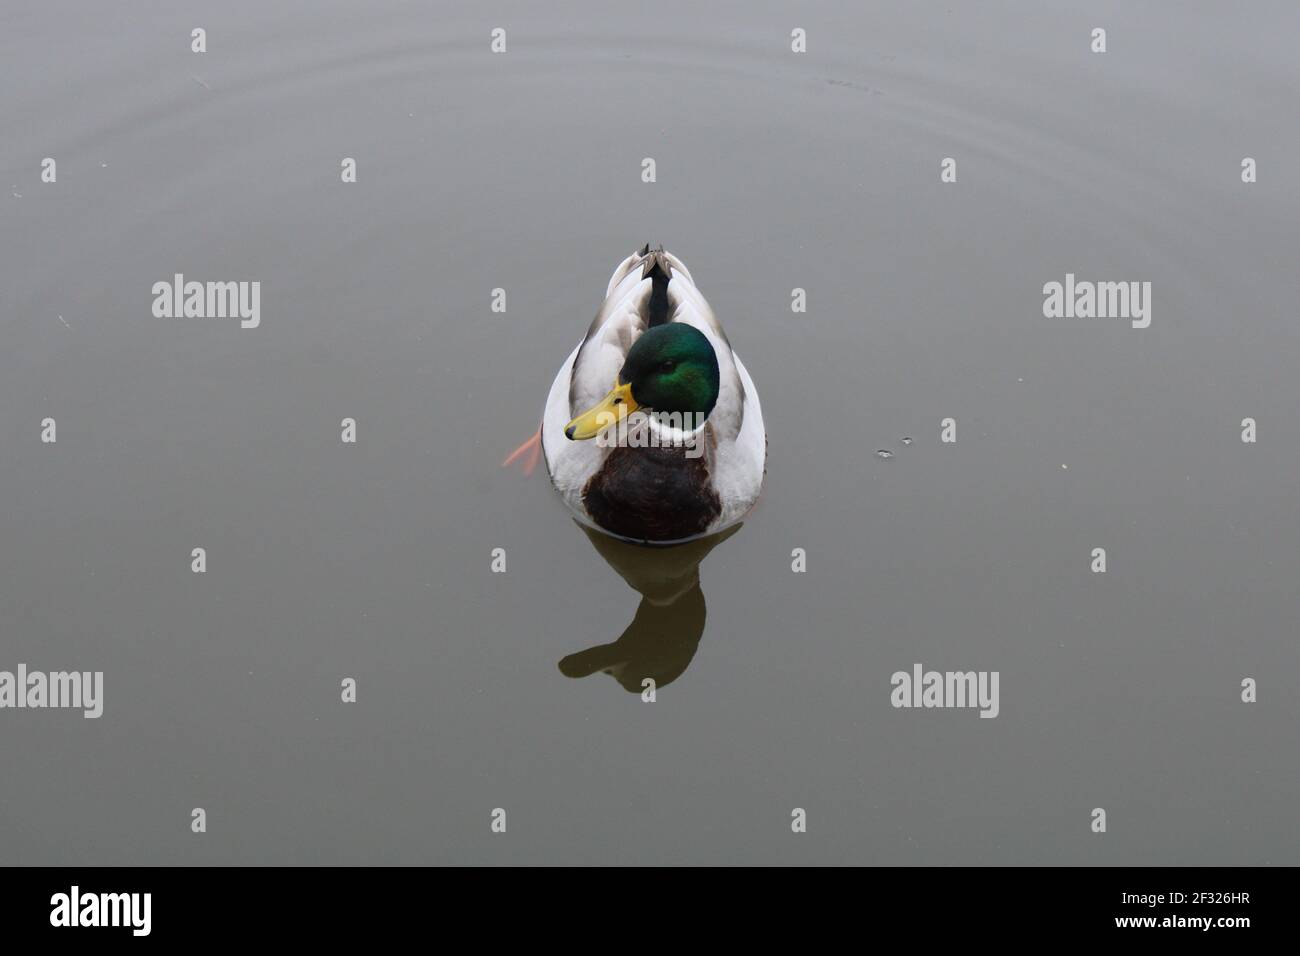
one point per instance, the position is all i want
(652, 430)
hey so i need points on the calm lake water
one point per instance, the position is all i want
(775, 170)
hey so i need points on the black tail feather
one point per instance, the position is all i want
(659, 272)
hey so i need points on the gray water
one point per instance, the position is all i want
(775, 170)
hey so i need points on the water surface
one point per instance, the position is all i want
(775, 171)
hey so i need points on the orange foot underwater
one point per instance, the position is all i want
(533, 449)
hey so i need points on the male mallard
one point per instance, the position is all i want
(689, 452)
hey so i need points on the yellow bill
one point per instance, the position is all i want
(611, 409)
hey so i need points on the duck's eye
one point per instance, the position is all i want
(667, 366)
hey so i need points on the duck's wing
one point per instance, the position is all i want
(621, 319)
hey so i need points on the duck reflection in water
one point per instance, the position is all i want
(661, 640)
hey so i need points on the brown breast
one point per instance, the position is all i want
(652, 494)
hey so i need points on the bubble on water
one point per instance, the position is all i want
(884, 453)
